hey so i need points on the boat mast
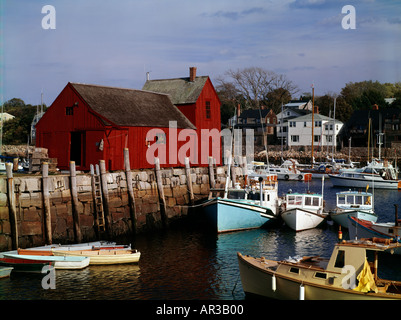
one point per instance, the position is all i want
(313, 111)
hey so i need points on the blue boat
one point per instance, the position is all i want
(245, 208)
(355, 204)
(236, 214)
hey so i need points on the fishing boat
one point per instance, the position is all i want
(25, 265)
(244, 208)
(349, 274)
(302, 211)
(355, 204)
(288, 170)
(367, 229)
(379, 174)
(5, 272)
(65, 262)
(102, 257)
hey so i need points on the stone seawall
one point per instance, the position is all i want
(33, 227)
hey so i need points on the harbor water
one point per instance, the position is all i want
(190, 262)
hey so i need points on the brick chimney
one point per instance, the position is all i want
(192, 74)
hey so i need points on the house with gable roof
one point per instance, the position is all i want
(88, 123)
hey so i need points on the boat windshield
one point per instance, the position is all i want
(312, 201)
(341, 199)
(359, 199)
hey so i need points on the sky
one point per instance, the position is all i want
(115, 43)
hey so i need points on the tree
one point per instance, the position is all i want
(255, 83)
(17, 130)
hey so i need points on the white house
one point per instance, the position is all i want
(325, 131)
(290, 111)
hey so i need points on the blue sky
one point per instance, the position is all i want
(116, 42)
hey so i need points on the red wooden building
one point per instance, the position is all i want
(87, 123)
(196, 97)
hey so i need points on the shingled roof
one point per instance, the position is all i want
(180, 90)
(129, 107)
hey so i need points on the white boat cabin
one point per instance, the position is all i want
(312, 201)
(354, 200)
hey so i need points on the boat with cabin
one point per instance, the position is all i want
(379, 174)
(355, 204)
(351, 273)
(244, 208)
(288, 170)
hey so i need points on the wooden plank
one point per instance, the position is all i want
(74, 198)
(130, 189)
(12, 205)
(162, 199)
(46, 203)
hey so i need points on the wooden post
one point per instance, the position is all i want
(95, 213)
(105, 193)
(12, 206)
(162, 200)
(244, 166)
(15, 164)
(46, 203)
(212, 182)
(233, 175)
(130, 190)
(189, 181)
(74, 198)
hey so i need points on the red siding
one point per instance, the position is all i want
(196, 113)
(57, 131)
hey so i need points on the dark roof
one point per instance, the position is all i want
(180, 90)
(254, 113)
(129, 107)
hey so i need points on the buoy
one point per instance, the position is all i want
(340, 234)
(274, 283)
(301, 292)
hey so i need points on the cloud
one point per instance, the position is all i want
(235, 15)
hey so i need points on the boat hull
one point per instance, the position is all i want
(5, 272)
(259, 281)
(104, 257)
(300, 219)
(339, 181)
(227, 215)
(65, 262)
(341, 218)
(359, 229)
(25, 265)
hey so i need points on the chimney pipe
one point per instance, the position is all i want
(192, 74)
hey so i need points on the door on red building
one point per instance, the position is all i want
(77, 147)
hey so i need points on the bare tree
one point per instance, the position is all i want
(255, 83)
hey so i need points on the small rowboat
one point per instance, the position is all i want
(96, 245)
(25, 265)
(59, 262)
(100, 257)
(5, 272)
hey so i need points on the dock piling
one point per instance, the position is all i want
(74, 198)
(130, 190)
(12, 205)
(46, 203)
